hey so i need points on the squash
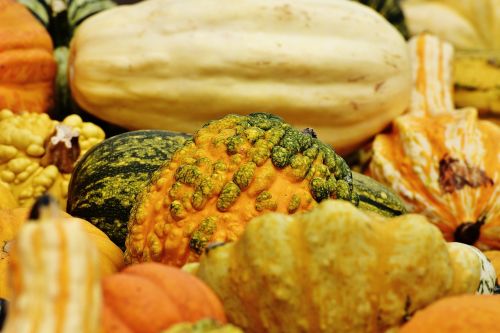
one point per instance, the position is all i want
(203, 326)
(37, 154)
(11, 220)
(27, 67)
(494, 258)
(474, 273)
(150, 297)
(466, 24)
(335, 268)
(109, 176)
(333, 65)
(54, 277)
(391, 10)
(443, 162)
(459, 314)
(7, 200)
(233, 169)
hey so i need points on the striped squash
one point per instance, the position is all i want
(443, 162)
(107, 179)
(54, 277)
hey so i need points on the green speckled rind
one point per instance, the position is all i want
(107, 179)
(376, 197)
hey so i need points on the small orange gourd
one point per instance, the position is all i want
(27, 66)
(458, 314)
(151, 297)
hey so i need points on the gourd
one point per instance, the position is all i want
(7, 200)
(151, 297)
(203, 326)
(458, 314)
(54, 277)
(27, 65)
(474, 273)
(233, 169)
(11, 220)
(494, 257)
(335, 268)
(336, 66)
(37, 154)
(442, 162)
(106, 180)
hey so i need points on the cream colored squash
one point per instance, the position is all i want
(336, 66)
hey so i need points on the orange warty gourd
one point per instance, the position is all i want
(458, 314)
(150, 297)
(27, 66)
(444, 163)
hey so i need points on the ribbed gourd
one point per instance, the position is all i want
(37, 154)
(444, 163)
(334, 268)
(55, 277)
(177, 64)
(107, 179)
(27, 67)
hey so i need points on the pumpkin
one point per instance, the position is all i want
(276, 56)
(54, 277)
(474, 273)
(233, 169)
(107, 179)
(335, 268)
(110, 256)
(443, 162)
(37, 154)
(27, 67)
(458, 314)
(203, 326)
(162, 296)
(494, 257)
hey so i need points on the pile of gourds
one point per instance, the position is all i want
(226, 203)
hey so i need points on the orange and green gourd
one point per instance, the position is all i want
(232, 170)
(444, 163)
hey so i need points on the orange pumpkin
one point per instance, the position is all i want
(27, 66)
(459, 314)
(444, 163)
(150, 297)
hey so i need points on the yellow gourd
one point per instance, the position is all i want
(37, 154)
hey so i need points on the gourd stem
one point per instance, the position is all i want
(45, 205)
(468, 232)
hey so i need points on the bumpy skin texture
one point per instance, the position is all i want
(203, 326)
(459, 314)
(235, 168)
(106, 180)
(332, 269)
(22, 147)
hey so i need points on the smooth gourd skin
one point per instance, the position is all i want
(26, 62)
(336, 66)
(151, 297)
(107, 179)
(233, 169)
(459, 314)
(332, 269)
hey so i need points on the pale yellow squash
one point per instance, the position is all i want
(336, 66)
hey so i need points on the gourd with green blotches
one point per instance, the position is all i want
(233, 169)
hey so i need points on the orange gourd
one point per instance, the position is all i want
(444, 163)
(27, 66)
(150, 297)
(459, 314)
